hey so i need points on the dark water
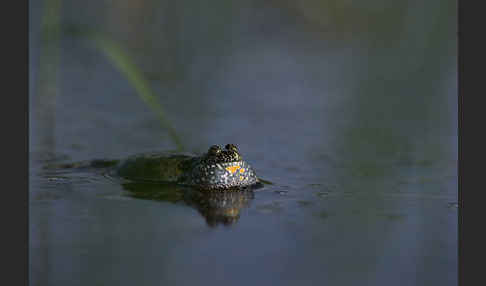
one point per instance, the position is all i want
(350, 110)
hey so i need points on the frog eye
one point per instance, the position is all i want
(214, 150)
(231, 147)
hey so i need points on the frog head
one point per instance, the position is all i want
(223, 169)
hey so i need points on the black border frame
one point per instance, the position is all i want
(15, 140)
(471, 84)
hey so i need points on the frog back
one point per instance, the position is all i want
(158, 167)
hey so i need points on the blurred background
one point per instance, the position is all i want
(349, 108)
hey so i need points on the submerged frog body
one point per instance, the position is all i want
(216, 169)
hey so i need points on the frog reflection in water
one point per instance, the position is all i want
(217, 207)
